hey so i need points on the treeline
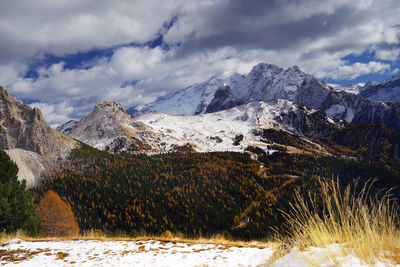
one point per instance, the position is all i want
(370, 142)
(196, 194)
(51, 217)
(193, 193)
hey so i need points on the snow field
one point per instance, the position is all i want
(17, 252)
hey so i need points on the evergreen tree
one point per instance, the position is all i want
(16, 207)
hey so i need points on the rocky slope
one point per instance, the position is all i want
(28, 139)
(266, 82)
(387, 90)
(109, 128)
(68, 126)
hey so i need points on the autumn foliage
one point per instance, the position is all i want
(56, 216)
(206, 194)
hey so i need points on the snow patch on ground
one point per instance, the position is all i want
(131, 253)
(333, 255)
(17, 252)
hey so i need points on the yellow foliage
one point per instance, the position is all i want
(56, 216)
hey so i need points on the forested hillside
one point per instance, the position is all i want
(197, 194)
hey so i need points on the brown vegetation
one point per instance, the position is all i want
(56, 216)
(365, 226)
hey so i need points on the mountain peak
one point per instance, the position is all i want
(3, 92)
(5, 96)
(295, 68)
(261, 67)
(28, 139)
(110, 105)
(24, 127)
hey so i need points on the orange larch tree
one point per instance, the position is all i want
(56, 216)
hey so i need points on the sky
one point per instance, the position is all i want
(65, 56)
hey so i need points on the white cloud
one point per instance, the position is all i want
(29, 28)
(353, 71)
(391, 55)
(157, 72)
(136, 62)
(208, 38)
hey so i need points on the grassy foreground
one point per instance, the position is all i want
(166, 237)
(365, 226)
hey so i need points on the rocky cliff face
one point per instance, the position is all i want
(223, 99)
(23, 128)
(357, 109)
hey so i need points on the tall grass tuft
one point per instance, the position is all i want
(365, 225)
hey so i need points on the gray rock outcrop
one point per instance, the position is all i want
(28, 139)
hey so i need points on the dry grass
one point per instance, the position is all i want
(365, 226)
(94, 235)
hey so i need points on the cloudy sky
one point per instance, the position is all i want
(65, 56)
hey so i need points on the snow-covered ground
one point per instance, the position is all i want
(17, 252)
(131, 253)
(333, 255)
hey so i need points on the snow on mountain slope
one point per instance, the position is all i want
(387, 90)
(266, 82)
(109, 128)
(67, 127)
(194, 99)
(214, 131)
(352, 89)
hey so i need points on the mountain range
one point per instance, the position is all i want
(271, 108)
(212, 115)
(108, 127)
(266, 82)
(262, 137)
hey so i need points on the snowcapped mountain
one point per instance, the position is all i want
(219, 131)
(194, 99)
(266, 82)
(232, 129)
(352, 89)
(108, 127)
(387, 90)
(215, 114)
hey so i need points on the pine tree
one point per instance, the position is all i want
(56, 216)
(16, 207)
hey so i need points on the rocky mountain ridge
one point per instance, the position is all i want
(28, 139)
(387, 90)
(266, 82)
(108, 127)
(233, 129)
